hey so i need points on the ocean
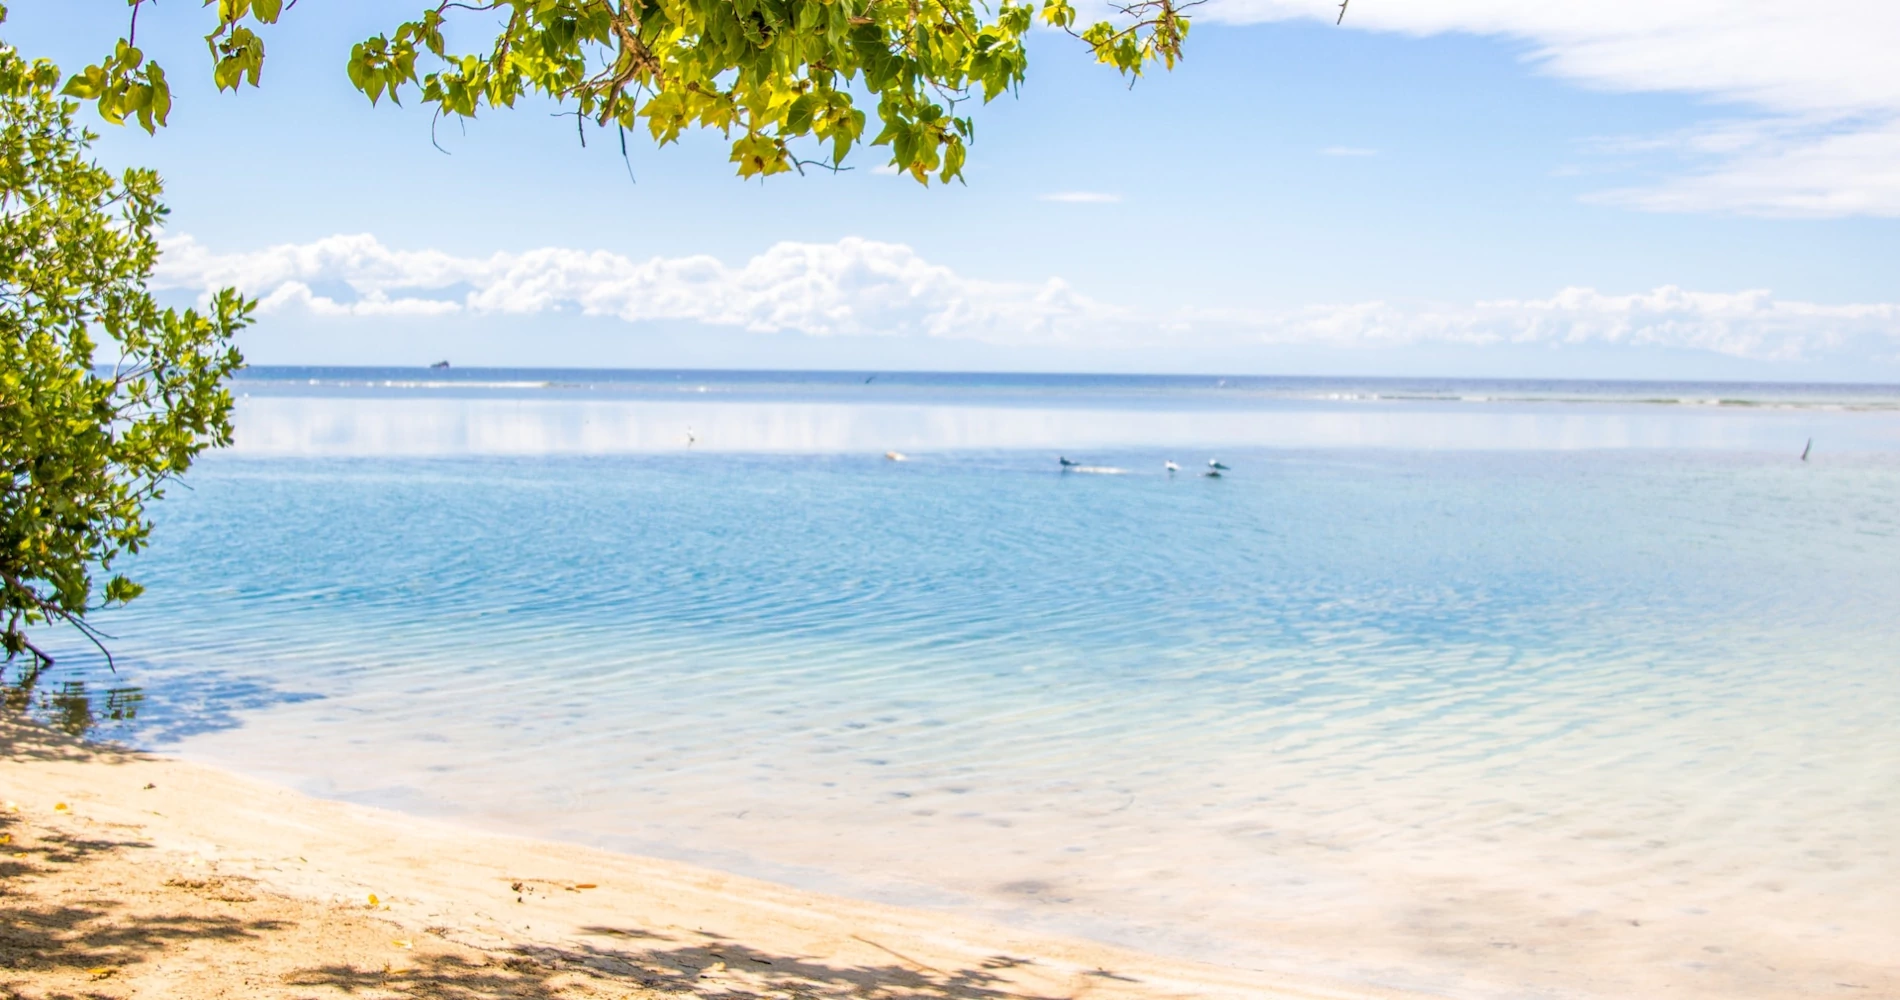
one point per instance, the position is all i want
(1488, 688)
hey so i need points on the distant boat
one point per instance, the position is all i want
(1214, 464)
(440, 364)
(897, 456)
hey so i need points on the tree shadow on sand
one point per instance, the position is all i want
(721, 968)
(77, 924)
(87, 928)
(23, 740)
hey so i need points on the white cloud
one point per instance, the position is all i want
(1822, 74)
(1348, 151)
(1781, 169)
(857, 287)
(373, 303)
(851, 287)
(1749, 324)
(1081, 197)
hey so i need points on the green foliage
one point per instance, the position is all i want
(125, 85)
(82, 450)
(772, 75)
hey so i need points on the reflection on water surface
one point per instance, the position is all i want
(70, 705)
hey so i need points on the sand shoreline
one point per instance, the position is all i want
(161, 878)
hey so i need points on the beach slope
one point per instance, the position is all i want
(129, 875)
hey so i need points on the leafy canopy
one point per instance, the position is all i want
(83, 449)
(774, 76)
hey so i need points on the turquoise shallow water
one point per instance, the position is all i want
(1495, 689)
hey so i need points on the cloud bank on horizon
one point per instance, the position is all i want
(862, 288)
(1816, 130)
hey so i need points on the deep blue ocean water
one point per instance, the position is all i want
(1492, 688)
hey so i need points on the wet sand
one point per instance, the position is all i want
(129, 875)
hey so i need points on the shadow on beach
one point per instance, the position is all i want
(724, 971)
(90, 909)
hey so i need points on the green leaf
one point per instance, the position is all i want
(85, 86)
(952, 161)
(762, 72)
(90, 449)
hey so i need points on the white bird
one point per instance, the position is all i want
(1171, 467)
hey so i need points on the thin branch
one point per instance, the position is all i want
(41, 661)
(40, 658)
(800, 165)
(433, 119)
(1342, 12)
(52, 611)
(94, 636)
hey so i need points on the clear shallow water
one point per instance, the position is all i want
(1552, 692)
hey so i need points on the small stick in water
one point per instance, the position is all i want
(1809, 448)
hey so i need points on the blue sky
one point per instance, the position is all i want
(1439, 187)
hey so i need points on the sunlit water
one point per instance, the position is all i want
(1486, 688)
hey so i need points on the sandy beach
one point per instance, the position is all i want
(130, 875)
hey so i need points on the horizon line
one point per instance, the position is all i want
(1031, 374)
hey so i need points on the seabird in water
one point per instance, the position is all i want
(1171, 467)
(1066, 463)
(1214, 464)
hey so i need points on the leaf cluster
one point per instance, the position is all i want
(773, 76)
(83, 449)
